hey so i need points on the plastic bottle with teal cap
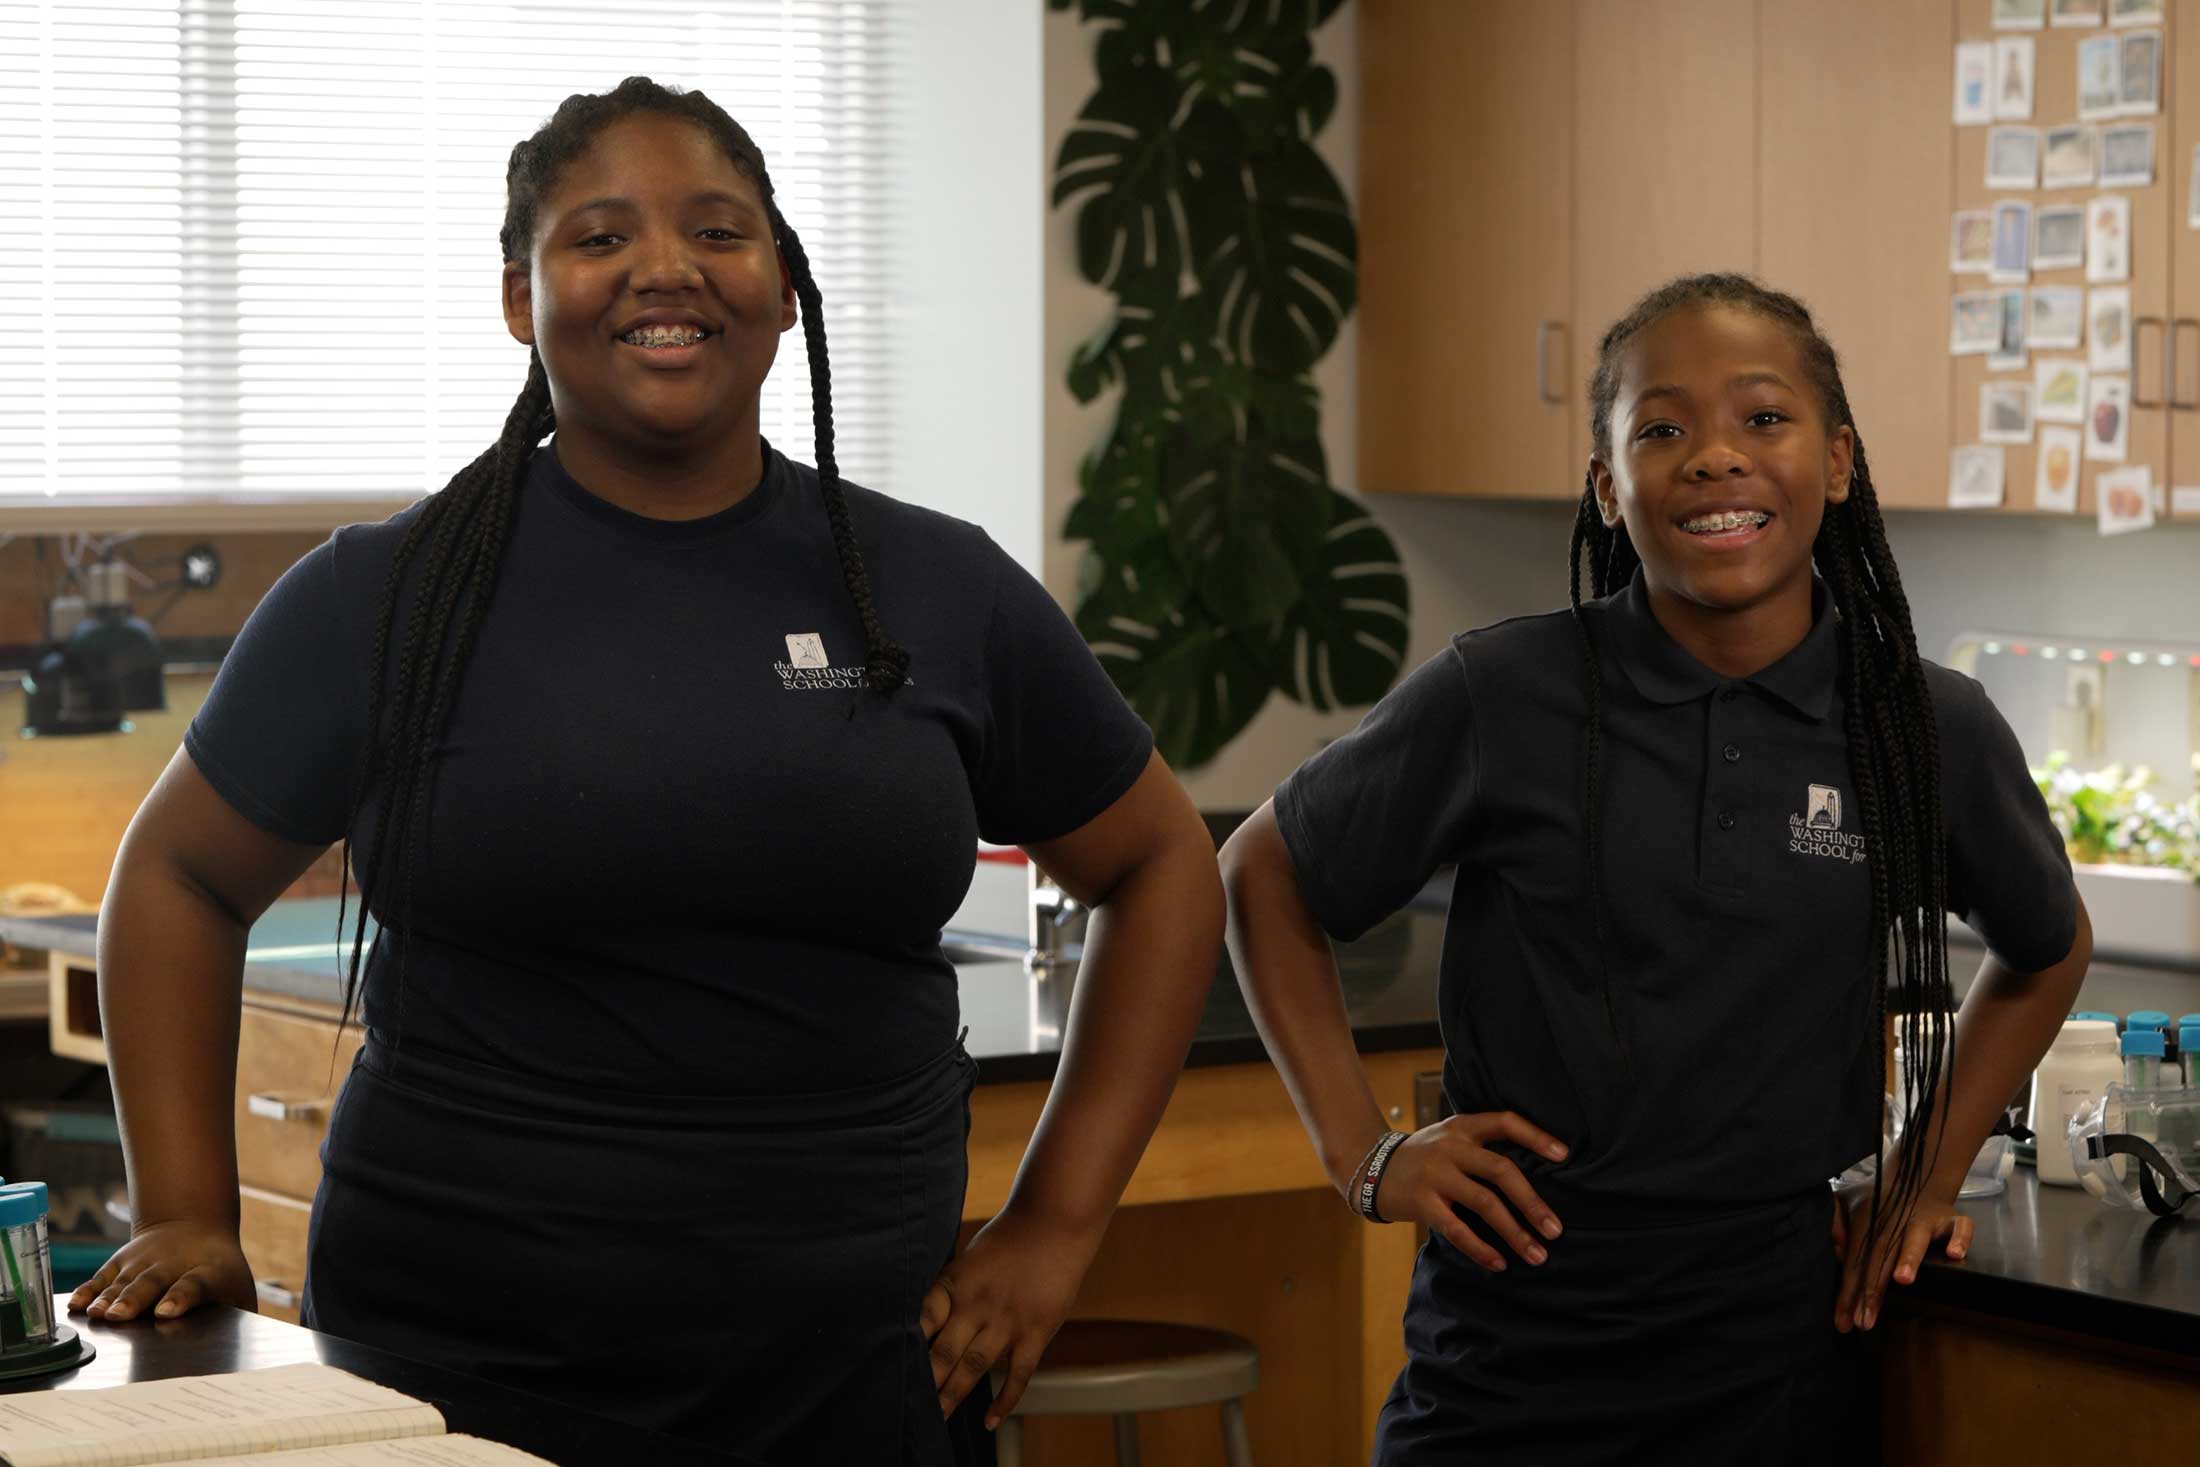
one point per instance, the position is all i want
(26, 1274)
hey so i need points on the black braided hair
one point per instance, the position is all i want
(1893, 742)
(461, 532)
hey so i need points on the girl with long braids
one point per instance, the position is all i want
(662, 760)
(1706, 824)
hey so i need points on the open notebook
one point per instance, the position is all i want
(288, 1416)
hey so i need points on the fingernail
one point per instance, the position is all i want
(1558, 1152)
(167, 1306)
(1871, 1315)
(1537, 1255)
(1550, 1227)
(992, 1423)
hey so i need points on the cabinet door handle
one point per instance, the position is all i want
(280, 1108)
(1543, 334)
(2137, 323)
(279, 1296)
(2170, 363)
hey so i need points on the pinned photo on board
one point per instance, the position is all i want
(2134, 12)
(1975, 476)
(2008, 353)
(2127, 155)
(1974, 83)
(2013, 158)
(2107, 419)
(2058, 391)
(2019, 15)
(2012, 263)
(2005, 412)
(2074, 13)
(2069, 156)
(2108, 329)
(1974, 324)
(2013, 67)
(2107, 239)
(2058, 237)
(2061, 453)
(2123, 500)
(1971, 241)
(2139, 86)
(2058, 318)
(2100, 77)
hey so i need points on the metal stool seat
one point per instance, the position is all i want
(1121, 1367)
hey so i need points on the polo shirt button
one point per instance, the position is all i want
(1727, 695)
(1733, 755)
(1726, 820)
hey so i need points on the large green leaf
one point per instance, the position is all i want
(1279, 256)
(1342, 643)
(1246, 519)
(1138, 155)
(1195, 683)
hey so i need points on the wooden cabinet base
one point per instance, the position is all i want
(1962, 1387)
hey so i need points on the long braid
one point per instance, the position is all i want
(1892, 739)
(1592, 533)
(885, 662)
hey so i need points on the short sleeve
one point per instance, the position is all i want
(1370, 818)
(2008, 874)
(1061, 744)
(282, 729)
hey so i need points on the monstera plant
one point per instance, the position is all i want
(1221, 564)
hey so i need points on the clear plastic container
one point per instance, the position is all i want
(2078, 1067)
(26, 1268)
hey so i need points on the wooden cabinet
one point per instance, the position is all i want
(1854, 160)
(291, 1061)
(2180, 136)
(1465, 163)
(1809, 144)
(1665, 160)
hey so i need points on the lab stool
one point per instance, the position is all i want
(1121, 1367)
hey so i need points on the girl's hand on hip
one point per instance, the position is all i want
(1864, 1280)
(169, 1268)
(1449, 1165)
(998, 1305)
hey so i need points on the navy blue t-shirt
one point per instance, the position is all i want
(1737, 896)
(674, 845)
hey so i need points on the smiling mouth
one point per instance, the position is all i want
(657, 338)
(1726, 522)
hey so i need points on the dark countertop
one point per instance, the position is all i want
(2054, 1256)
(214, 1340)
(1015, 1018)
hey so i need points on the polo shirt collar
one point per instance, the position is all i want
(1665, 673)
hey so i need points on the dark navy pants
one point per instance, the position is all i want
(1707, 1342)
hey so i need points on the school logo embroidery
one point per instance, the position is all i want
(808, 669)
(1817, 831)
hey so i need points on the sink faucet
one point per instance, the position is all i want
(1052, 910)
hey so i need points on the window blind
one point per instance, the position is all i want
(252, 250)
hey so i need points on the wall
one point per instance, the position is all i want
(1472, 562)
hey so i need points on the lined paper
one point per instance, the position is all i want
(418, 1451)
(198, 1418)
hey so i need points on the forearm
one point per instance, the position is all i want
(1148, 963)
(1289, 977)
(170, 962)
(2005, 1024)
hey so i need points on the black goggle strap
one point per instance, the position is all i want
(2152, 1164)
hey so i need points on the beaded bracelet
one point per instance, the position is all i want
(1371, 1176)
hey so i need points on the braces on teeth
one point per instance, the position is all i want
(1733, 519)
(664, 335)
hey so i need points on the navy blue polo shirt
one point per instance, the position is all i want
(1736, 896)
